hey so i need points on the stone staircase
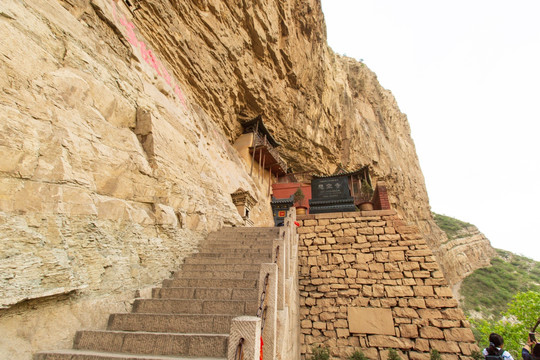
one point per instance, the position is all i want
(190, 315)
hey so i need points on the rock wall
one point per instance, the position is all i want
(237, 59)
(369, 281)
(116, 123)
(108, 176)
(468, 244)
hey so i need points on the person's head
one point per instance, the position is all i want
(495, 341)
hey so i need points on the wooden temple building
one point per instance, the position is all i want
(258, 147)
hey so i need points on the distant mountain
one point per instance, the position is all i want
(489, 283)
(462, 249)
(486, 292)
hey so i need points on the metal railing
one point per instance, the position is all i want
(239, 354)
(261, 311)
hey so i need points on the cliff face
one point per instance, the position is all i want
(117, 120)
(326, 110)
(468, 251)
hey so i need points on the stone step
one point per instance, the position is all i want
(228, 260)
(240, 236)
(214, 345)
(180, 320)
(172, 323)
(238, 248)
(204, 293)
(247, 230)
(97, 355)
(217, 275)
(233, 251)
(220, 267)
(211, 283)
(194, 306)
(236, 245)
(240, 240)
(227, 235)
(235, 237)
(263, 257)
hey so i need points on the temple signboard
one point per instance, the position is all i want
(334, 188)
(331, 194)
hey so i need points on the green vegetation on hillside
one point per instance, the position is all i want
(450, 225)
(488, 290)
(514, 326)
(503, 298)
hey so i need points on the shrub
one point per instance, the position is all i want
(299, 196)
(477, 355)
(450, 225)
(489, 290)
(320, 353)
(358, 355)
(434, 355)
(393, 355)
(366, 191)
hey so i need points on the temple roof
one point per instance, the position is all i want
(342, 172)
(251, 125)
(289, 200)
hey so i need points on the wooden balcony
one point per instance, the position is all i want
(267, 156)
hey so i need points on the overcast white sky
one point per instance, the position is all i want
(467, 74)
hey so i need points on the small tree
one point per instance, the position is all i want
(299, 196)
(366, 191)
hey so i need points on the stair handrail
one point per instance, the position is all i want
(274, 278)
(239, 354)
(261, 311)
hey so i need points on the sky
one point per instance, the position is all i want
(467, 75)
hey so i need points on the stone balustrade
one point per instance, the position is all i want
(276, 326)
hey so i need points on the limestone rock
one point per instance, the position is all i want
(468, 251)
(116, 126)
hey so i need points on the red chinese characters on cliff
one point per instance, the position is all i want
(146, 53)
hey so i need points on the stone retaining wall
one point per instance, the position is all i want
(369, 282)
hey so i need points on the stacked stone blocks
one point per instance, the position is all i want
(369, 282)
